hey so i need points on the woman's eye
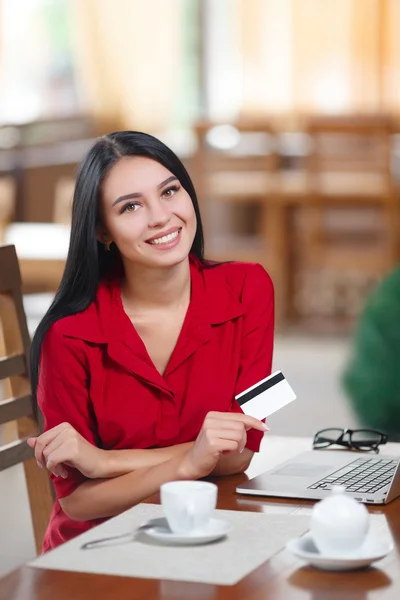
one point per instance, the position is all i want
(131, 207)
(170, 191)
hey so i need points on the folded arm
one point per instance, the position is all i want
(222, 435)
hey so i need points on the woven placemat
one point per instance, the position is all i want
(254, 538)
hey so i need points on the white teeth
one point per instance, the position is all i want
(165, 239)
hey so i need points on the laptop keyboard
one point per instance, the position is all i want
(362, 475)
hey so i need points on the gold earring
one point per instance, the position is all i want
(107, 245)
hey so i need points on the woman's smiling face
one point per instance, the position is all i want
(147, 213)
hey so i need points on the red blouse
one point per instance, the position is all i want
(96, 374)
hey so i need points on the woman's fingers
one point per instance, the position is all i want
(41, 442)
(46, 438)
(32, 443)
(243, 441)
(253, 423)
(230, 426)
(54, 454)
(55, 462)
(214, 423)
(249, 422)
(226, 446)
(225, 440)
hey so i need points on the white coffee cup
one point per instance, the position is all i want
(188, 505)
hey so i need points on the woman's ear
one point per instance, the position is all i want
(102, 235)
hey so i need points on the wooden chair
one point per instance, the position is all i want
(16, 405)
(235, 170)
(233, 166)
(348, 222)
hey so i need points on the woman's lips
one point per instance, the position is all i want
(166, 241)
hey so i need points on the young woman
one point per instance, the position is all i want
(137, 362)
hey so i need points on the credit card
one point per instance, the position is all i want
(266, 397)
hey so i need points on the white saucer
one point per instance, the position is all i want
(370, 552)
(158, 529)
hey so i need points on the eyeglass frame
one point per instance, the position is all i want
(351, 445)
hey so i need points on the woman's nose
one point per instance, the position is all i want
(159, 214)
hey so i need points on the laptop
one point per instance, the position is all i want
(372, 479)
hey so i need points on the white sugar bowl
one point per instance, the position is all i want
(339, 524)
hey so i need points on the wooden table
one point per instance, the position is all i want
(284, 577)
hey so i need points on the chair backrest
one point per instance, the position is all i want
(234, 170)
(348, 237)
(352, 144)
(242, 145)
(16, 405)
(351, 160)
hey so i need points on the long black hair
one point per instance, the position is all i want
(88, 261)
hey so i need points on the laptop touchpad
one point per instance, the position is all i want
(302, 470)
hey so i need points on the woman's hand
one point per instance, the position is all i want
(63, 446)
(221, 433)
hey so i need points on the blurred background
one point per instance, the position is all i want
(286, 114)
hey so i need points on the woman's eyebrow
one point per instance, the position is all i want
(138, 194)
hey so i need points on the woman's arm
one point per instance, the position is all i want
(63, 446)
(120, 462)
(230, 464)
(221, 433)
(71, 449)
(100, 498)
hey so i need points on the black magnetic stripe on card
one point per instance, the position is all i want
(261, 388)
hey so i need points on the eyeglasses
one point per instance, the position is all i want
(363, 440)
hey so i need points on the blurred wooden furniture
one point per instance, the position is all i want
(283, 577)
(235, 171)
(41, 132)
(42, 247)
(42, 250)
(63, 197)
(346, 233)
(7, 203)
(38, 154)
(234, 166)
(17, 400)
